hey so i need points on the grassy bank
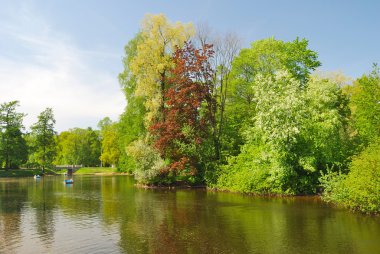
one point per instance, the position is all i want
(24, 172)
(96, 170)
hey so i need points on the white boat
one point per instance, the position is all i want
(37, 177)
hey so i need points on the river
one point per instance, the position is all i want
(108, 214)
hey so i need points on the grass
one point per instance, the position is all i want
(32, 172)
(24, 172)
(96, 170)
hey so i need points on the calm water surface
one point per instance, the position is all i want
(107, 214)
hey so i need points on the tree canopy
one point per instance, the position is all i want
(45, 138)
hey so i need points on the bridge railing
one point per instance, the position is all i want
(68, 166)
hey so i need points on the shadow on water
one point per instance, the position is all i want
(108, 214)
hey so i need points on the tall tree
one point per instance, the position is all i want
(146, 69)
(226, 48)
(45, 141)
(152, 62)
(288, 145)
(188, 113)
(110, 145)
(131, 123)
(13, 148)
(265, 58)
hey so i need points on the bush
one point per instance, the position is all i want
(148, 162)
(254, 170)
(360, 188)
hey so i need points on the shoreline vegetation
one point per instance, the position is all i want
(50, 172)
(25, 172)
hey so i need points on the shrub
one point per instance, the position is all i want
(148, 162)
(254, 170)
(360, 188)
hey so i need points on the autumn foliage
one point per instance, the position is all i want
(187, 115)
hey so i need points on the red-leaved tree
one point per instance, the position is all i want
(189, 112)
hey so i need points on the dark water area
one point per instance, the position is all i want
(108, 214)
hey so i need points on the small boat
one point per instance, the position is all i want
(37, 177)
(68, 181)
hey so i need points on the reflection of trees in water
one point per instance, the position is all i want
(196, 221)
(81, 200)
(42, 198)
(177, 222)
(12, 197)
(182, 221)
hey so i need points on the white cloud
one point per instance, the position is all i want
(53, 72)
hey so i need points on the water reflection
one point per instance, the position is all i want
(13, 194)
(108, 214)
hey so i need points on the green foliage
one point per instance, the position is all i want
(270, 55)
(131, 123)
(44, 137)
(264, 57)
(151, 62)
(148, 162)
(110, 149)
(130, 128)
(95, 170)
(295, 141)
(79, 147)
(25, 172)
(360, 188)
(13, 147)
(365, 105)
(277, 128)
(147, 63)
(250, 172)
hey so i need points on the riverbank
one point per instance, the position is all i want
(99, 171)
(24, 172)
(82, 171)
(170, 187)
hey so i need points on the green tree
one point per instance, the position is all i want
(79, 146)
(110, 147)
(92, 147)
(131, 123)
(365, 105)
(13, 148)
(288, 145)
(264, 57)
(45, 141)
(152, 62)
(147, 65)
(130, 128)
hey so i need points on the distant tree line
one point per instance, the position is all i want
(42, 147)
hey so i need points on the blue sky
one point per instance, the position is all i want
(67, 54)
